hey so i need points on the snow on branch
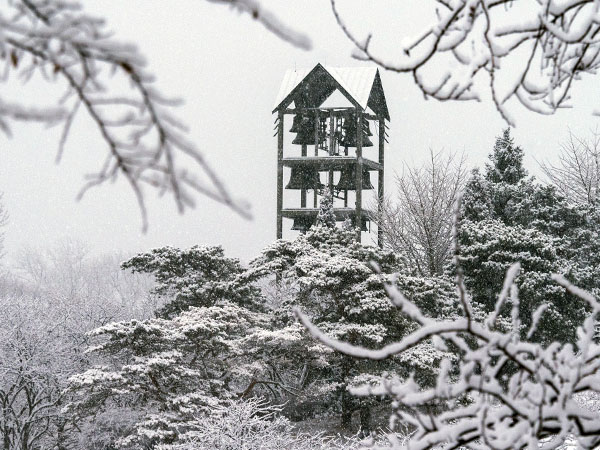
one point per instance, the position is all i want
(505, 392)
(531, 52)
(57, 42)
(270, 22)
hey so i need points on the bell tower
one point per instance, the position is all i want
(329, 144)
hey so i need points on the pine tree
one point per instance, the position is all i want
(198, 276)
(509, 217)
(506, 161)
(476, 202)
(326, 215)
(167, 373)
(331, 279)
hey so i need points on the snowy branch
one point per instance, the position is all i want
(270, 22)
(58, 43)
(531, 52)
(508, 393)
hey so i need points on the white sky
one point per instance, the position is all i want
(228, 69)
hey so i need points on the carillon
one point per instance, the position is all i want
(347, 180)
(324, 143)
(302, 224)
(304, 178)
(349, 138)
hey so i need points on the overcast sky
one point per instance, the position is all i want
(228, 69)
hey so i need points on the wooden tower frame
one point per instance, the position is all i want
(308, 90)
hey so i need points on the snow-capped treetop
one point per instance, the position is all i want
(506, 161)
(198, 276)
(326, 215)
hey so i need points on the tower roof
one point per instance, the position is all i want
(309, 88)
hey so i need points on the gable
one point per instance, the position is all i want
(361, 86)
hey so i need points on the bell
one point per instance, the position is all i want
(304, 178)
(302, 224)
(363, 224)
(366, 184)
(305, 130)
(296, 123)
(349, 137)
(348, 180)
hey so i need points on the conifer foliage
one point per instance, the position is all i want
(198, 276)
(509, 217)
(330, 277)
(326, 215)
(165, 374)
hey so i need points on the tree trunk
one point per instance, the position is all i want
(60, 435)
(346, 397)
(365, 419)
(346, 409)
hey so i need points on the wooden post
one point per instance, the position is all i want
(280, 175)
(380, 180)
(359, 174)
(331, 131)
(303, 191)
(345, 190)
(316, 151)
(317, 124)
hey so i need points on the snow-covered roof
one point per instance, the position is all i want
(311, 87)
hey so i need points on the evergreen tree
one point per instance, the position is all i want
(508, 217)
(162, 374)
(331, 280)
(326, 215)
(198, 276)
(476, 202)
(166, 373)
(506, 161)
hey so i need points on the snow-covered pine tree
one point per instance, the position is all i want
(197, 276)
(326, 215)
(508, 217)
(330, 278)
(165, 374)
(506, 161)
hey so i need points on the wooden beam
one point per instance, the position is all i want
(327, 162)
(335, 110)
(280, 176)
(303, 191)
(380, 181)
(340, 213)
(359, 174)
(317, 125)
(331, 141)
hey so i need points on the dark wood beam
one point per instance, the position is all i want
(359, 173)
(337, 112)
(303, 191)
(340, 213)
(380, 181)
(329, 162)
(280, 176)
(331, 142)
